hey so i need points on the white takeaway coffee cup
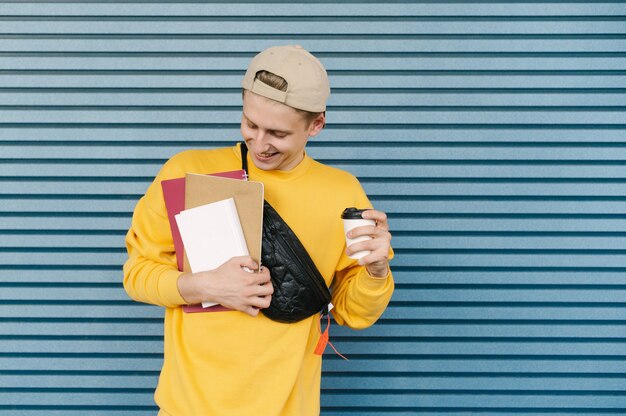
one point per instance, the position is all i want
(352, 218)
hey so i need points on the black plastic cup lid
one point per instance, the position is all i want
(352, 213)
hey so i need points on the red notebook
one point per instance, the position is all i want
(174, 196)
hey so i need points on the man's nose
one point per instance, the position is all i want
(260, 141)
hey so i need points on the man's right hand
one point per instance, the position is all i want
(230, 286)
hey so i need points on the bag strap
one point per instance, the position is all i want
(244, 157)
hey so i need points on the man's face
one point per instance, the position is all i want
(275, 134)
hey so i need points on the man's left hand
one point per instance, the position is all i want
(377, 261)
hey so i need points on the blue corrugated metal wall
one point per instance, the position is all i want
(493, 133)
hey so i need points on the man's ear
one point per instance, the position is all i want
(317, 124)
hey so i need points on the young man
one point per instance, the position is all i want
(239, 362)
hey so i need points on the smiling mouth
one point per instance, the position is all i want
(266, 155)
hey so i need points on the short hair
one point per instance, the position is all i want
(279, 83)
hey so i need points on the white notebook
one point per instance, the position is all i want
(211, 235)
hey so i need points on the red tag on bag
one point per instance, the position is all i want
(324, 339)
(321, 343)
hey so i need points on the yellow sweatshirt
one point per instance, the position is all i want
(229, 363)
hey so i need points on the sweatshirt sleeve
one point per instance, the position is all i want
(150, 273)
(358, 298)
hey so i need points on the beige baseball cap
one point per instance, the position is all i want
(308, 87)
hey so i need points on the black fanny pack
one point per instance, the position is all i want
(300, 290)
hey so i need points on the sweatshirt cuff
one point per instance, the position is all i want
(168, 289)
(369, 283)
